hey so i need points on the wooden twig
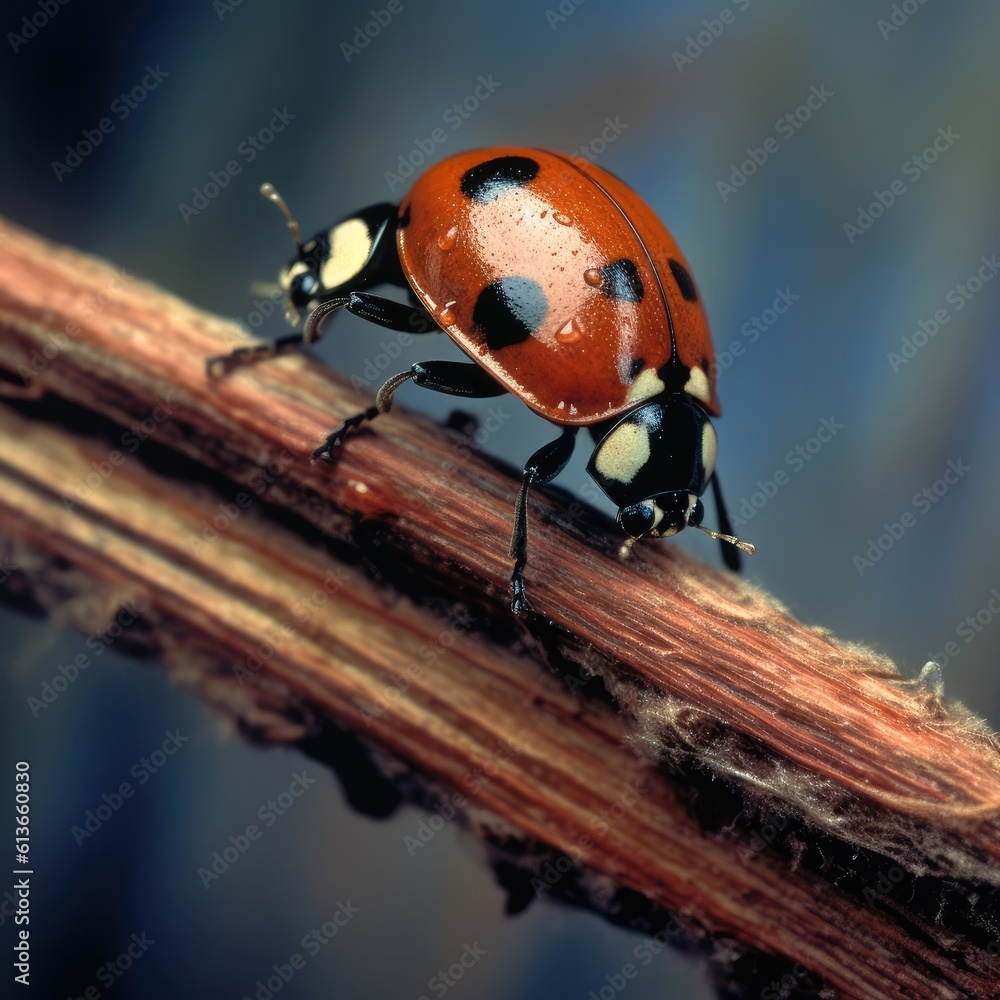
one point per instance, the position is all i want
(854, 830)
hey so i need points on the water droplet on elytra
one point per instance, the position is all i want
(447, 314)
(593, 277)
(562, 219)
(447, 240)
(569, 334)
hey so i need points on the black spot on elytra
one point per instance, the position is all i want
(509, 310)
(487, 181)
(621, 281)
(404, 219)
(634, 368)
(684, 280)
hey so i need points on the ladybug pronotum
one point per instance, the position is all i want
(566, 290)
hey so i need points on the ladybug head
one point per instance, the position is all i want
(655, 463)
(300, 280)
(661, 516)
(356, 252)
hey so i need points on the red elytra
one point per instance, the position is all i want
(600, 287)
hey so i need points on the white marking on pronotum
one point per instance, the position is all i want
(350, 248)
(697, 385)
(709, 448)
(623, 453)
(647, 384)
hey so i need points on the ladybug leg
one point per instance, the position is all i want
(457, 378)
(541, 468)
(730, 553)
(223, 364)
(374, 308)
(336, 438)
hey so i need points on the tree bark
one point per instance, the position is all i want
(663, 743)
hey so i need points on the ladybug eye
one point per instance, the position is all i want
(304, 287)
(637, 519)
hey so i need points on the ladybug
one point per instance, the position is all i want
(564, 289)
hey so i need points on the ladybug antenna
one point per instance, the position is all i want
(269, 191)
(732, 539)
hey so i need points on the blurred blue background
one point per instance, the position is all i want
(790, 149)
